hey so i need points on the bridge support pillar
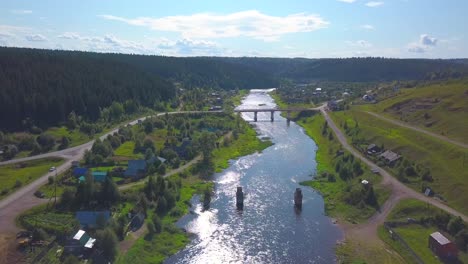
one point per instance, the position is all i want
(255, 116)
(272, 116)
(288, 117)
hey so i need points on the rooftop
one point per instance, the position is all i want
(441, 239)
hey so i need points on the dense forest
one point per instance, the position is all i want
(44, 86)
(356, 69)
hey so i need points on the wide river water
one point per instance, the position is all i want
(269, 229)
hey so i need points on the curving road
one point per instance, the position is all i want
(418, 129)
(23, 199)
(399, 190)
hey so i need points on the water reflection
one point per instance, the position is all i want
(269, 229)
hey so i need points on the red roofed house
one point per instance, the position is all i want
(442, 246)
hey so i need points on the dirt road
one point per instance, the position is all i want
(418, 129)
(365, 235)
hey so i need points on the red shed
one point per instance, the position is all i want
(442, 246)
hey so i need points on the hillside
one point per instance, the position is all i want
(45, 86)
(440, 108)
(356, 69)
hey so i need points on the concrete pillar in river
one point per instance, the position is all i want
(272, 116)
(239, 198)
(298, 198)
(255, 116)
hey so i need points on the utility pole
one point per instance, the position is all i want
(55, 188)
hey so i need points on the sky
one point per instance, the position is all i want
(261, 28)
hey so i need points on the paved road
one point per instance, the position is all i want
(23, 199)
(418, 129)
(399, 190)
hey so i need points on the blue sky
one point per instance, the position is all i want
(305, 28)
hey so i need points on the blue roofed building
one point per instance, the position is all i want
(99, 176)
(89, 219)
(78, 172)
(136, 168)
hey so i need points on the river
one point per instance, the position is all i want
(269, 229)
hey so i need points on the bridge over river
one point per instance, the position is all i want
(273, 110)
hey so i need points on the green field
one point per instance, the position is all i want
(48, 219)
(415, 235)
(441, 108)
(447, 163)
(126, 150)
(24, 172)
(75, 136)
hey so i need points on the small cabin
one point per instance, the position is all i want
(442, 246)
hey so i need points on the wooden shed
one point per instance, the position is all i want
(442, 246)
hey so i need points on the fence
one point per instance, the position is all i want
(389, 226)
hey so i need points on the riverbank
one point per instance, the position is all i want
(156, 248)
(338, 192)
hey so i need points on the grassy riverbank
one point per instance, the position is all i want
(443, 162)
(336, 191)
(246, 143)
(154, 249)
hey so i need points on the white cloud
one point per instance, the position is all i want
(69, 35)
(251, 23)
(189, 47)
(374, 3)
(21, 12)
(359, 43)
(425, 44)
(12, 30)
(347, 1)
(368, 27)
(427, 40)
(36, 37)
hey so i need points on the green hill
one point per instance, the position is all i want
(440, 108)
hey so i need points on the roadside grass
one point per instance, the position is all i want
(395, 245)
(415, 235)
(333, 192)
(24, 173)
(447, 163)
(75, 136)
(247, 143)
(442, 108)
(126, 150)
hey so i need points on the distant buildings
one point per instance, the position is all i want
(442, 246)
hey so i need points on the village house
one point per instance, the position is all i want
(390, 157)
(442, 246)
(136, 169)
(373, 149)
(80, 243)
(90, 219)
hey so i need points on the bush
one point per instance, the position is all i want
(151, 228)
(157, 224)
(18, 184)
(39, 234)
(50, 180)
(4, 191)
(331, 178)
